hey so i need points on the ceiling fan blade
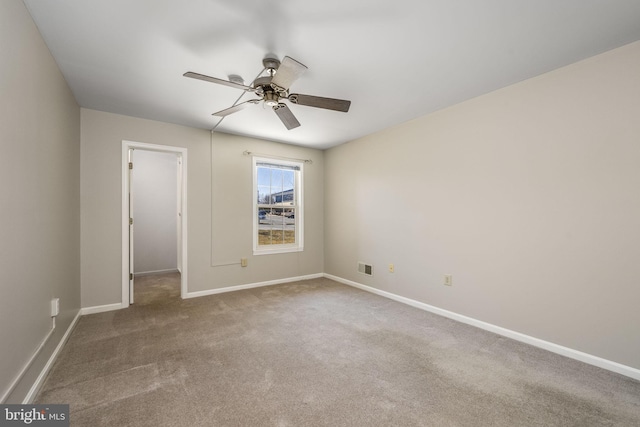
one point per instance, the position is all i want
(218, 81)
(320, 102)
(288, 72)
(236, 108)
(286, 116)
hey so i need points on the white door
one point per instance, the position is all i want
(179, 214)
(131, 239)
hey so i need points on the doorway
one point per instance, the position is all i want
(153, 227)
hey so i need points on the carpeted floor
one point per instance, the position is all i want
(316, 353)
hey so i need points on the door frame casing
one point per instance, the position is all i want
(181, 153)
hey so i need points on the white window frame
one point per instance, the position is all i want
(299, 208)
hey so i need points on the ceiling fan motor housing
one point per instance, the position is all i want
(263, 87)
(263, 83)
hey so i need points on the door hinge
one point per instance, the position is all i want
(130, 221)
(130, 165)
(130, 276)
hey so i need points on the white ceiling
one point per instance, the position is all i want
(395, 60)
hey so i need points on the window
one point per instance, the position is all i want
(277, 206)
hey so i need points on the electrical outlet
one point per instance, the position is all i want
(244, 262)
(55, 307)
(448, 280)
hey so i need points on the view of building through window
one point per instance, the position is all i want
(277, 203)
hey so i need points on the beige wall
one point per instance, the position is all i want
(232, 213)
(101, 184)
(40, 208)
(529, 196)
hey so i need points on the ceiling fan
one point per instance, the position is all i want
(273, 89)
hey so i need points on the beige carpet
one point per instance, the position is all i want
(316, 353)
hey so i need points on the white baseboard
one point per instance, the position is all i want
(536, 342)
(117, 306)
(47, 367)
(554, 348)
(27, 365)
(101, 308)
(252, 285)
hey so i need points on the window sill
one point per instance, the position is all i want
(277, 251)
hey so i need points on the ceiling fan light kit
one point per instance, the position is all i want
(273, 89)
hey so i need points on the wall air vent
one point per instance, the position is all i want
(365, 269)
